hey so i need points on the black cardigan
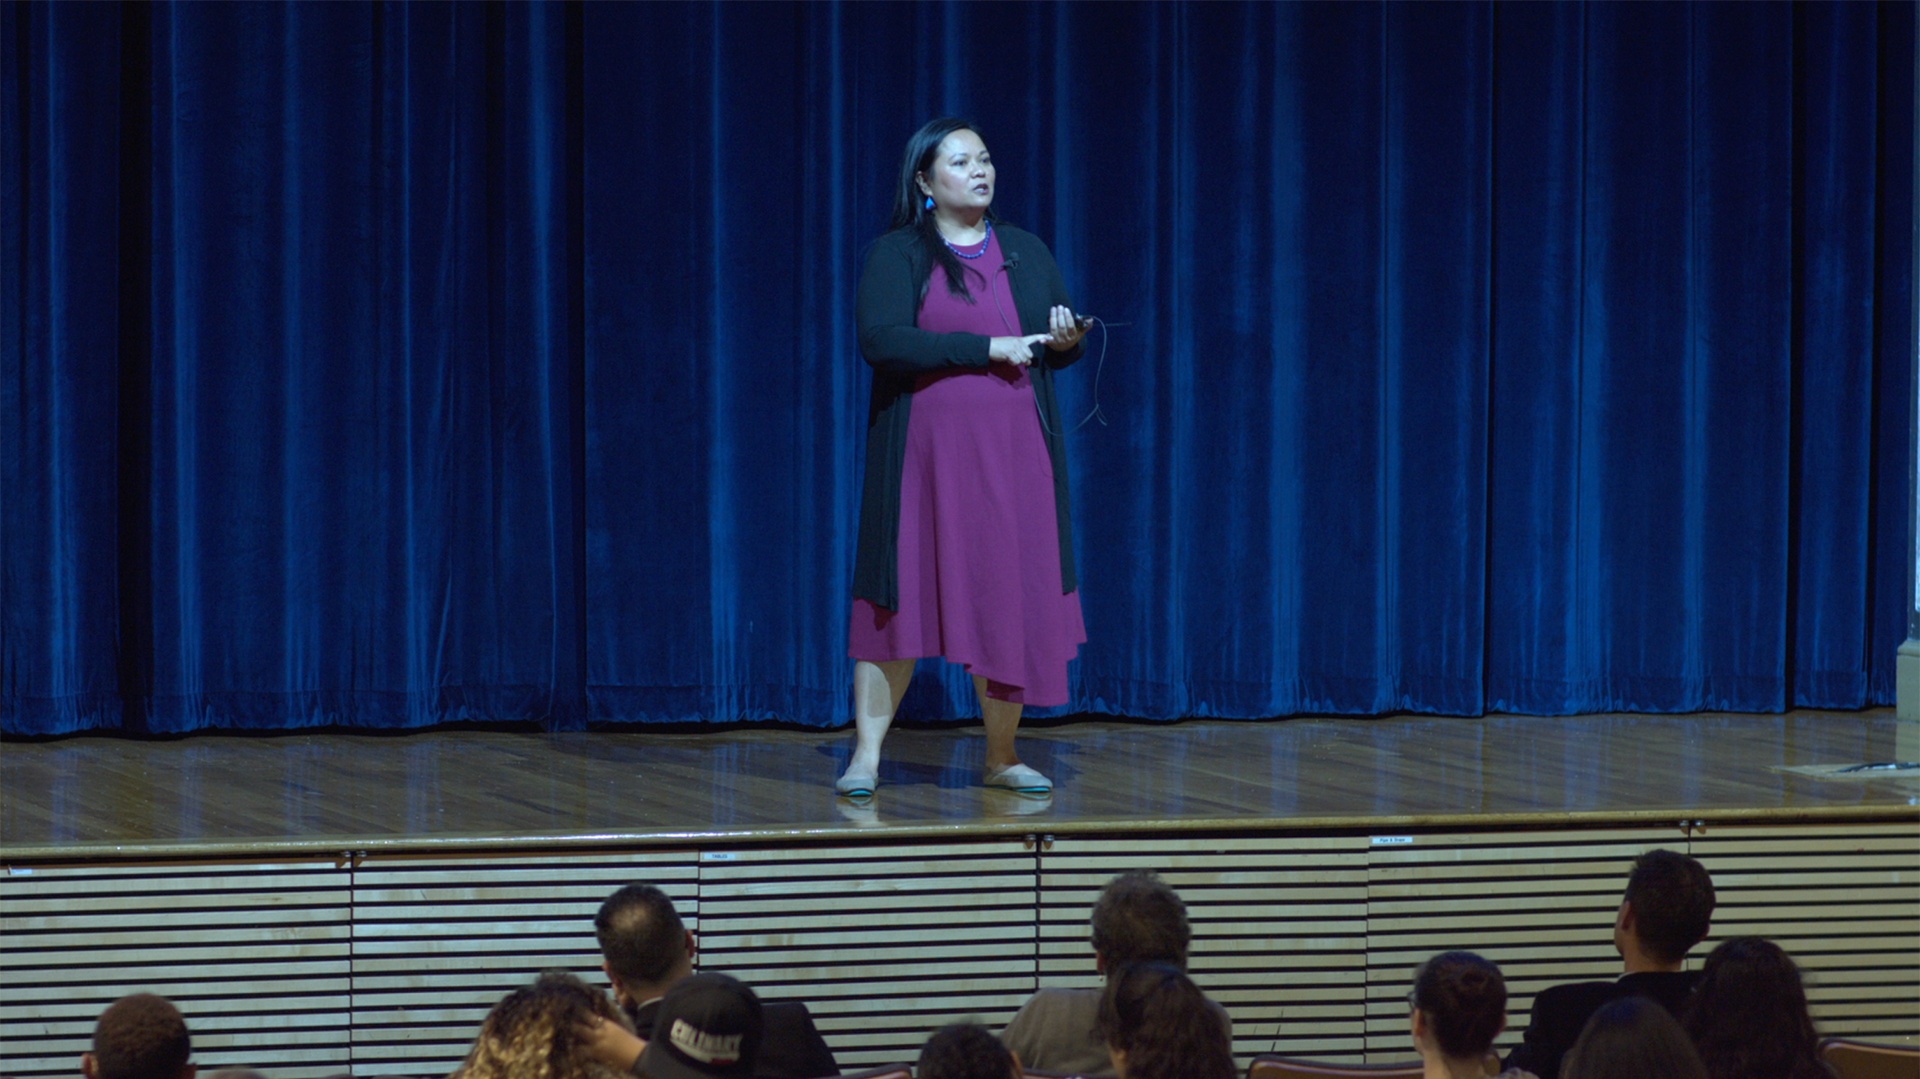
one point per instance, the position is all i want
(892, 288)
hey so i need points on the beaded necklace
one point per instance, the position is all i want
(977, 254)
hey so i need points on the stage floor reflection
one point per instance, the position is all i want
(92, 796)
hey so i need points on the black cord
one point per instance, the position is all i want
(1100, 365)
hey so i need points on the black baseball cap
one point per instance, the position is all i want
(708, 1027)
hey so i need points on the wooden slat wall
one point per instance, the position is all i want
(1843, 901)
(1279, 929)
(255, 955)
(438, 941)
(386, 965)
(1539, 904)
(884, 943)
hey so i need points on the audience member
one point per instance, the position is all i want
(1459, 1005)
(1748, 1016)
(1138, 918)
(1632, 1038)
(1743, 1016)
(965, 1051)
(708, 1026)
(536, 1033)
(1158, 1025)
(1666, 911)
(647, 951)
(139, 1037)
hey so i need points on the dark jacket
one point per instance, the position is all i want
(790, 1046)
(1561, 1012)
(892, 288)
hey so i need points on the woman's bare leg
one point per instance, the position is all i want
(877, 689)
(1002, 720)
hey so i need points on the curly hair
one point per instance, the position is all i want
(1632, 1038)
(1167, 1028)
(1140, 918)
(1465, 998)
(532, 1033)
(1748, 1015)
(964, 1051)
(1672, 899)
(142, 1036)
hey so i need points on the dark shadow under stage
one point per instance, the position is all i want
(95, 796)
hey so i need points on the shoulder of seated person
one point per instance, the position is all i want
(1062, 992)
(1050, 997)
(1657, 977)
(1669, 988)
(1568, 994)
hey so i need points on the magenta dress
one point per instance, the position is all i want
(979, 542)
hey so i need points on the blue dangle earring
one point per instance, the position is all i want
(929, 202)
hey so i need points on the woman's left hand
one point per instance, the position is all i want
(1065, 329)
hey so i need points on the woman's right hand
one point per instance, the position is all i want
(1015, 350)
(610, 1043)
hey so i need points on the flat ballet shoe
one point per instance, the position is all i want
(1019, 777)
(1000, 802)
(857, 783)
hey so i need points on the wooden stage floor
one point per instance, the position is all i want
(99, 796)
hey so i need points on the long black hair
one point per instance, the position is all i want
(1168, 1029)
(1748, 1016)
(910, 203)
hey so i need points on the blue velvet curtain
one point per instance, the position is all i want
(389, 365)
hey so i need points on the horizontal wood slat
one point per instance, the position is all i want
(437, 941)
(1541, 905)
(385, 965)
(258, 956)
(1279, 929)
(1843, 900)
(884, 943)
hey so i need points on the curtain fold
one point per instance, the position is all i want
(385, 365)
(1642, 374)
(61, 458)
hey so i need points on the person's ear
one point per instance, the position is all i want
(190, 1070)
(693, 946)
(612, 978)
(89, 1067)
(1417, 1024)
(1624, 920)
(1100, 962)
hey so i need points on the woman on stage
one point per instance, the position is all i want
(965, 548)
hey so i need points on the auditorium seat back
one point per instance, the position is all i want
(1275, 1066)
(1870, 1060)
